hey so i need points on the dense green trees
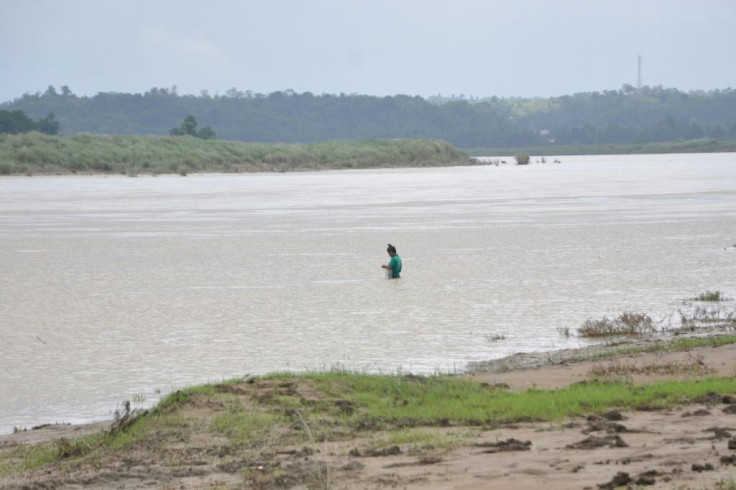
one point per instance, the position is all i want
(13, 122)
(646, 115)
(49, 124)
(189, 128)
(628, 115)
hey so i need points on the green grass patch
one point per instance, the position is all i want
(677, 345)
(690, 343)
(390, 401)
(141, 429)
(248, 428)
(35, 456)
(28, 458)
(339, 405)
(181, 397)
(37, 153)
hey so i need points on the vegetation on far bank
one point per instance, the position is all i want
(36, 153)
(701, 145)
(190, 127)
(14, 122)
(626, 116)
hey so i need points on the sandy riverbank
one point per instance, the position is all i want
(692, 446)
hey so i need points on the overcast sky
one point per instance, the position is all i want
(376, 47)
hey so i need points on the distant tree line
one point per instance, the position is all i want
(651, 114)
(628, 115)
(14, 122)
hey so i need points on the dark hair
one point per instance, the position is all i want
(391, 249)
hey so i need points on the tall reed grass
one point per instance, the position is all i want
(36, 153)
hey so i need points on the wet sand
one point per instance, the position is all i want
(691, 446)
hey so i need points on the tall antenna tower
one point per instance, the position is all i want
(638, 76)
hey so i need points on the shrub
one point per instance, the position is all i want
(522, 159)
(710, 296)
(626, 324)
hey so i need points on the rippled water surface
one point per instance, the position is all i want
(116, 288)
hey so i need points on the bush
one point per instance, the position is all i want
(626, 324)
(710, 296)
(522, 159)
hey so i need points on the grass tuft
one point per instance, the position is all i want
(246, 428)
(710, 296)
(627, 323)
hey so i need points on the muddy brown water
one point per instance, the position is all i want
(117, 288)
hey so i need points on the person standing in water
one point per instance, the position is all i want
(394, 265)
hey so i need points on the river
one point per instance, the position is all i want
(119, 288)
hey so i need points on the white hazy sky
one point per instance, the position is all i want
(376, 47)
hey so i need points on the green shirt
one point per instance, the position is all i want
(395, 265)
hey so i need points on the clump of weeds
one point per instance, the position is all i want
(710, 296)
(628, 323)
(704, 317)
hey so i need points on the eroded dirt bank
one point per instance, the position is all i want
(692, 446)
